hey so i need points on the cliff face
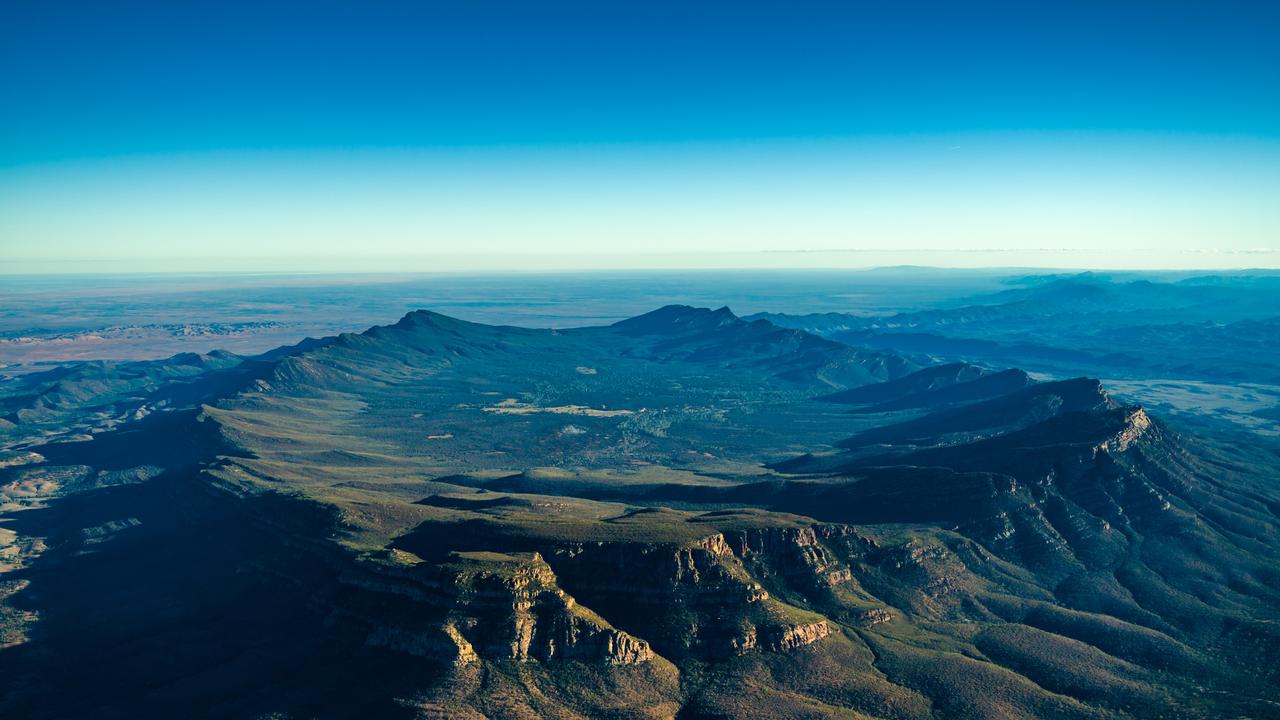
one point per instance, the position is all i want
(691, 600)
(492, 606)
(704, 599)
(812, 559)
(715, 597)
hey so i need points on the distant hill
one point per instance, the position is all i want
(1215, 329)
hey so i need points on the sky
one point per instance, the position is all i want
(474, 135)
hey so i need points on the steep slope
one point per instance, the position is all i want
(1106, 506)
(94, 396)
(922, 381)
(56, 396)
(721, 338)
(942, 385)
(1020, 408)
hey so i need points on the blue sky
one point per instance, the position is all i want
(474, 135)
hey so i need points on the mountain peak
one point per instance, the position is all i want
(430, 320)
(421, 316)
(677, 318)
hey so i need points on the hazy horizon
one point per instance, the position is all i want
(464, 138)
(658, 264)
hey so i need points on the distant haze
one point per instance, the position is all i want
(498, 137)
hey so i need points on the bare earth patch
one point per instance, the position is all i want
(511, 406)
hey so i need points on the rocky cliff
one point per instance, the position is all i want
(480, 605)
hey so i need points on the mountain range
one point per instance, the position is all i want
(685, 514)
(1220, 329)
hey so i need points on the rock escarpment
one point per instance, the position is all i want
(475, 606)
(712, 598)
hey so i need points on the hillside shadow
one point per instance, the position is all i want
(168, 599)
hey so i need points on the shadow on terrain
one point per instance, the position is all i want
(170, 599)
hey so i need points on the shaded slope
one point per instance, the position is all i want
(1010, 411)
(935, 387)
(918, 382)
(719, 337)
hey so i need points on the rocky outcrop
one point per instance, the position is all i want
(874, 616)
(704, 598)
(800, 556)
(704, 571)
(797, 636)
(482, 606)
(443, 642)
(1136, 423)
